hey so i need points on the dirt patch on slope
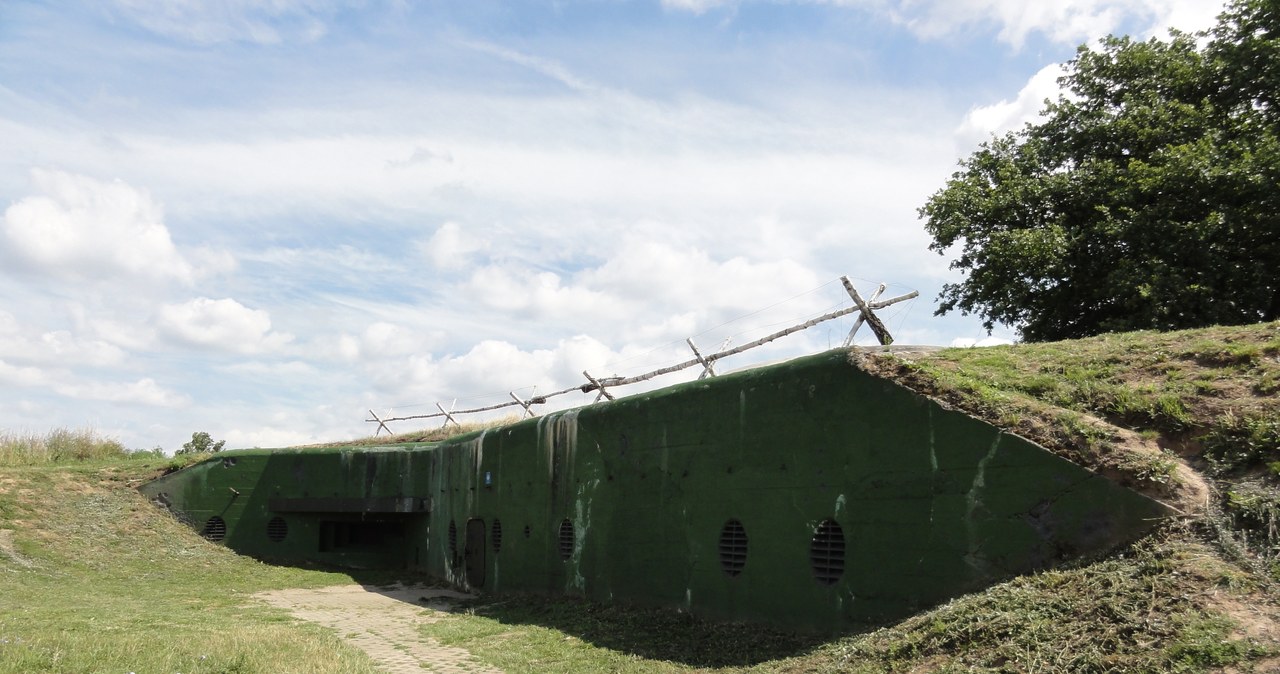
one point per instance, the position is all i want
(10, 552)
(383, 622)
(1129, 458)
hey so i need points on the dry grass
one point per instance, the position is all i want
(424, 435)
(57, 446)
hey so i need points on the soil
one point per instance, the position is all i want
(383, 622)
(9, 551)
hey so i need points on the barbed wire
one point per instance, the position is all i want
(863, 308)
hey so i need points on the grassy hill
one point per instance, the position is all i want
(93, 578)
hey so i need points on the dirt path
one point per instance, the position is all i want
(383, 622)
(9, 551)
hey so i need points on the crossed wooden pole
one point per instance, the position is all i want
(865, 314)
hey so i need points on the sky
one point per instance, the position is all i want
(263, 220)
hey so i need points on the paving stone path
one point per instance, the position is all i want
(383, 622)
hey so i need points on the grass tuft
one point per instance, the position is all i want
(57, 446)
(1138, 611)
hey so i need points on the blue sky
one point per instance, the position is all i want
(262, 219)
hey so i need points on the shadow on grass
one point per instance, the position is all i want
(646, 632)
(652, 633)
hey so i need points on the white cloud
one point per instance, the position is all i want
(345, 257)
(545, 67)
(644, 290)
(1009, 115)
(669, 278)
(21, 376)
(536, 294)
(489, 370)
(60, 347)
(390, 340)
(223, 324)
(695, 6)
(451, 248)
(133, 336)
(143, 392)
(271, 435)
(272, 369)
(1063, 21)
(380, 341)
(82, 228)
(214, 21)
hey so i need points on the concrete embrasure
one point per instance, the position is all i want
(383, 622)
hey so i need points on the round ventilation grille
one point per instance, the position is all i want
(277, 529)
(826, 552)
(733, 547)
(496, 534)
(566, 539)
(215, 529)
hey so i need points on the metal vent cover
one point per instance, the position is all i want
(277, 529)
(215, 529)
(566, 539)
(826, 552)
(733, 547)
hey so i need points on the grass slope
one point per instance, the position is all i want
(95, 579)
(1191, 416)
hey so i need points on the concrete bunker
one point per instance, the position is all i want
(808, 493)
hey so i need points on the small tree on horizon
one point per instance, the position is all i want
(201, 442)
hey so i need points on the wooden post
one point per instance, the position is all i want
(382, 426)
(882, 333)
(447, 415)
(603, 393)
(848, 341)
(523, 404)
(708, 367)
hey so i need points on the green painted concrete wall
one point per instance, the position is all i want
(903, 503)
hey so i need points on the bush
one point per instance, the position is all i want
(201, 443)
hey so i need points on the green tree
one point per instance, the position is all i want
(1145, 197)
(201, 442)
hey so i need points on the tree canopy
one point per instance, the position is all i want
(1147, 196)
(201, 442)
